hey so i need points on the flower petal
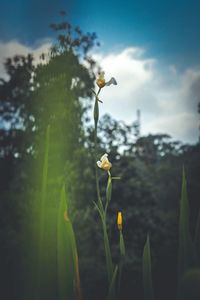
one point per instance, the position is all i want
(99, 164)
(104, 157)
(111, 81)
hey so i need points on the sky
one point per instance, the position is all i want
(151, 47)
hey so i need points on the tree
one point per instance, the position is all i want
(31, 98)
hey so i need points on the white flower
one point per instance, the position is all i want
(104, 163)
(101, 82)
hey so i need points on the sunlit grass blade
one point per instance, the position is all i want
(67, 259)
(41, 248)
(112, 286)
(147, 274)
(186, 254)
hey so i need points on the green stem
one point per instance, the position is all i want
(122, 254)
(96, 167)
(109, 263)
(108, 191)
(101, 209)
(119, 279)
(96, 117)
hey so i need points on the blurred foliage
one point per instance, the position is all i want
(57, 91)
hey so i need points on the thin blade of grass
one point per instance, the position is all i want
(112, 286)
(121, 244)
(109, 262)
(67, 259)
(42, 213)
(186, 255)
(122, 254)
(147, 274)
(109, 189)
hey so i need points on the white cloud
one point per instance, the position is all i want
(167, 99)
(14, 47)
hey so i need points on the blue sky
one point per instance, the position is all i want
(168, 29)
(160, 40)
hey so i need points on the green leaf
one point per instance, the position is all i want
(186, 255)
(121, 244)
(96, 112)
(109, 189)
(67, 259)
(122, 253)
(112, 286)
(109, 263)
(44, 187)
(42, 217)
(147, 274)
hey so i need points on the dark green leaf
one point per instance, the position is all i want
(147, 274)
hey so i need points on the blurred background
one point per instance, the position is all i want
(50, 55)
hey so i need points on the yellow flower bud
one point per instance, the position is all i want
(119, 220)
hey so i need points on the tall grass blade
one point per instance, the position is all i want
(147, 274)
(67, 259)
(41, 248)
(109, 263)
(121, 244)
(96, 112)
(109, 189)
(112, 286)
(186, 256)
(122, 254)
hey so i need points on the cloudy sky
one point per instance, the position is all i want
(151, 47)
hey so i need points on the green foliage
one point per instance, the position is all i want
(121, 244)
(31, 98)
(112, 286)
(96, 112)
(147, 273)
(122, 258)
(42, 217)
(109, 189)
(66, 254)
(186, 251)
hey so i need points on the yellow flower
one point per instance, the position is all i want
(104, 163)
(119, 220)
(101, 82)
